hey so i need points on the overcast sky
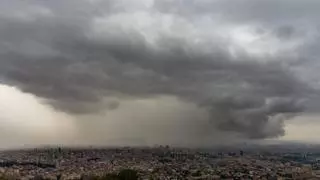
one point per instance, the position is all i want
(144, 72)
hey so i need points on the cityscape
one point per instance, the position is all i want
(163, 163)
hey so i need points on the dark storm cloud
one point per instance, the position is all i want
(54, 58)
(252, 116)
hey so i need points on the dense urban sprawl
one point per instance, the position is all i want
(155, 163)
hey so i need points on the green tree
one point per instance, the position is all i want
(128, 174)
(110, 177)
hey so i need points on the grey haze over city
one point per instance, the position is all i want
(145, 72)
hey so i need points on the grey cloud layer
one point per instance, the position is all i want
(56, 58)
(271, 11)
